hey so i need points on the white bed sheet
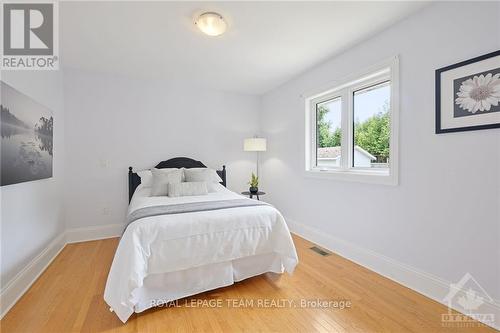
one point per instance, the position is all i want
(174, 256)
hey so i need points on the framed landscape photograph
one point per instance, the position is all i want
(26, 138)
(468, 95)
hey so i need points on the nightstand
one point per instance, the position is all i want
(250, 194)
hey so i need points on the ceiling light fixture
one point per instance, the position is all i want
(211, 23)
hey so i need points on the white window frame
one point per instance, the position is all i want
(385, 71)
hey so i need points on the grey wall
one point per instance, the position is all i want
(443, 218)
(115, 122)
(32, 212)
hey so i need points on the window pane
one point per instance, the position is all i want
(372, 128)
(328, 133)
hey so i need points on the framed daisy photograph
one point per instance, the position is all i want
(468, 95)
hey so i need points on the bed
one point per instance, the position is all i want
(173, 253)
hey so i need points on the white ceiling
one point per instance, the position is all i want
(266, 44)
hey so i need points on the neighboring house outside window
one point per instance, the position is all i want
(330, 157)
(352, 128)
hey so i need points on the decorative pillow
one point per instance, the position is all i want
(187, 188)
(166, 170)
(146, 177)
(161, 179)
(201, 175)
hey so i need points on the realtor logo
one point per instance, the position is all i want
(29, 36)
(468, 297)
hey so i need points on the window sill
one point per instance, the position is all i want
(361, 176)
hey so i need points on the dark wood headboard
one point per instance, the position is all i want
(179, 162)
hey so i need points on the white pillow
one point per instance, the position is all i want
(187, 188)
(166, 170)
(161, 179)
(146, 177)
(201, 175)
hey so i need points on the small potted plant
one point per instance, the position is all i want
(254, 184)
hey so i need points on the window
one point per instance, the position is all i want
(351, 129)
(328, 132)
(372, 126)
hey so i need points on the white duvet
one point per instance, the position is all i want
(172, 243)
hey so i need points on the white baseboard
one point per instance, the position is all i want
(422, 282)
(16, 287)
(94, 233)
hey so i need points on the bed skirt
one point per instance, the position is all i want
(162, 288)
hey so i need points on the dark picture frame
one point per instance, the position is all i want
(438, 99)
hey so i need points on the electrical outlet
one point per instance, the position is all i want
(105, 211)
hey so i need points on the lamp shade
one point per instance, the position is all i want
(255, 144)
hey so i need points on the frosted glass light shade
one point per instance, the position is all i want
(255, 144)
(211, 24)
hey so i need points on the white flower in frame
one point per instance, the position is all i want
(479, 93)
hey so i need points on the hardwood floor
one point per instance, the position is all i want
(68, 297)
